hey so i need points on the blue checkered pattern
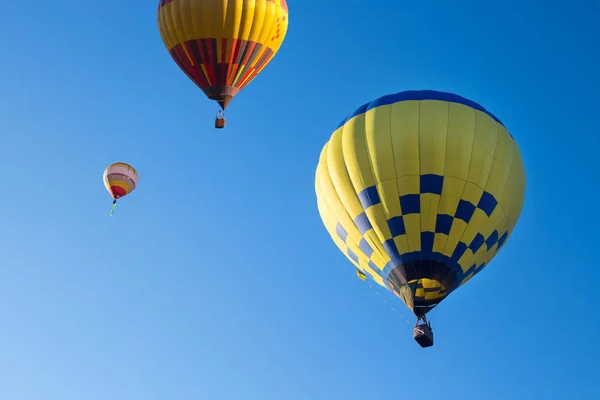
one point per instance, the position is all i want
(364, 246)
(411, 204)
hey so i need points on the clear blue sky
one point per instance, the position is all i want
(215, 279)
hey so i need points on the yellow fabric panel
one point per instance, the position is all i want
(328, 219)
(477, 222)
(403, 246)
(379, 143)
(484, 146)
(433, 126)
(233, 21)
(459, 142)
(380, 228)
(378, 259)
(204, 18)
(361, 275)
(505, 147)
(429, 210)
(168, 26)
(335, 205)
(340, 176)
(472, 192)
(503, 225)
(439, 242)
(412, 222)
(388, 193)
(451, 194)
(379, 254)
(501, 165)
(271, 14)
(493, 222)
(405, 120)
(246, 22)
(465, 260)
(260, 13)
(428, 285)
(408, 184)
(514, 192)
(327, 188)
(356, 154)
(458, 228)
(497, 178)
(480, 256)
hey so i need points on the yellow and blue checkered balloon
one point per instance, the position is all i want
(420, 190)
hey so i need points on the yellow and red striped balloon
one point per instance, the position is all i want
(222, 45)
(120, 179)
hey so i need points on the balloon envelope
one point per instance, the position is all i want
(222, 45)
(120, 179)
(420, 190)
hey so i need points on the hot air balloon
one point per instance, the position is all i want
(120, 179)
(222, 45)
(420, 190)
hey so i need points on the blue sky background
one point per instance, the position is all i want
(216, 279)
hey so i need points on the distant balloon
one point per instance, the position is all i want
(222, 45)
(420, 190)
(120, 179)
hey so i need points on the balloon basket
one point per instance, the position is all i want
(423, 335)
(220, 120)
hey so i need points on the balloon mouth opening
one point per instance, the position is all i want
(222, 95)
(422, 284)
(117, 192)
